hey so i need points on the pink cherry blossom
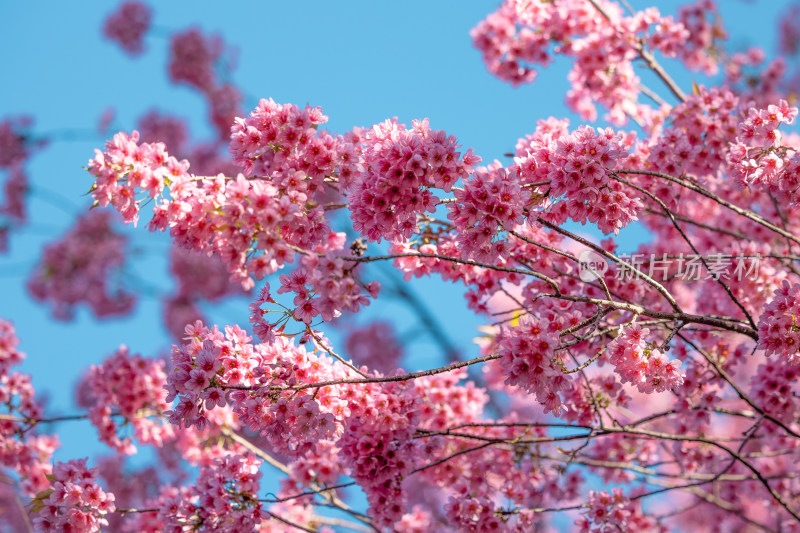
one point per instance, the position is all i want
(128, 25)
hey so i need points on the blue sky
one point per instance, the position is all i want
(361, 61)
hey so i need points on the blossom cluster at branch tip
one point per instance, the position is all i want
(126, 167)
(529, 359)
(203, 62)
(278, 140)
(641, 363)
(192, 58)
(491, 202)
(772, 388)
(84, 267)
(325, 286)
(75, 502)
(779, 324)
(613, 512)
(602, 41)
(697, 141)
(21, 451)
(16, 147)
(577, 166)
(375, 345)
(223, 498)
(128, 26)
(759, 159)
(130, 386)
(400, 167)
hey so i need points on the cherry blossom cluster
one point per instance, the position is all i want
(400, 167)
(375, 346)
(13, 144)
(23, 452)
(547, 130)
(319, 465)
(774, 387)
(282, 142)
(226, 216)
(582, 398)
(127, 168)
(759, 158)
(641, 363)
(613, 512)
(448, 400)
(84, 267)
(128, 26)
(223, 498)
(669, 35)
(699, 45)
(593, 79)
(491, 201)
(577, 168)
(530, 361)
(129, 386)
(697, 141)
(378, 448)
(275, 215)
(9, 353)
(293, 424)
(778, 325)
(473, 515)
(13, 207)
(788, 30)
(15, 149)
(257, 215)
(474, 506)
(212, 362)
(75, 502)
(325, 286)
(194, 372)
(760, 127)
(507, 49)
(603, 43)
(373, 423)
(195, 59)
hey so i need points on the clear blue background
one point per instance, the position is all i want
(362, 61)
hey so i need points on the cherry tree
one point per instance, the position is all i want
(608, 391)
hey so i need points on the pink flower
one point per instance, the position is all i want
(128, 25)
